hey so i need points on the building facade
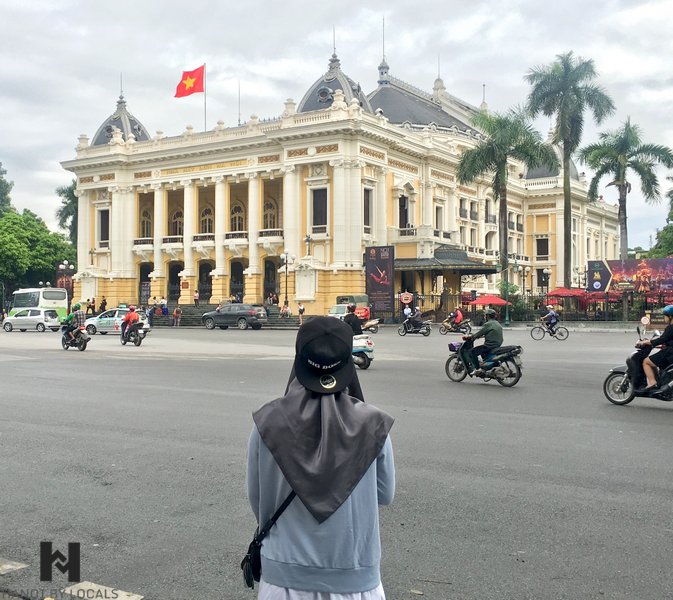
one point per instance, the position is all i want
(288, 205)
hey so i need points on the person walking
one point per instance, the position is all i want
(103, 304)
(196, 297)
(321, 442)
(177, 315)
(300, 312)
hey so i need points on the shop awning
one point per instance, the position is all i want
(449, 259)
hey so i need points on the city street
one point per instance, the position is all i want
(541, 491)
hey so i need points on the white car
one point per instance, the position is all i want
(338, 310)
(33, 318)
(110, 321)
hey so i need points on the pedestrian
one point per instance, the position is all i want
(275, 300)
(88, 306)
(164, 305)
(103, 304)
(407, 311)
(232, 299)
(92, 306)
(321, 442)
(196, 297)
(300, 312)
(149, 313)
(177, 315)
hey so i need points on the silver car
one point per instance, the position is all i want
(33, 318)
(110, 321)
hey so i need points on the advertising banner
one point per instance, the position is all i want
(379, 270)
(638, 275)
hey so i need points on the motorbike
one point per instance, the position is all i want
(626, 382)
(448, 326)
(79, 340)
(371, 325)
(134, 333)
(408, 327)
(363, 350)
(503, 364)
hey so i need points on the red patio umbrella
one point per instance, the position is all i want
(489, 299)
(563, 292)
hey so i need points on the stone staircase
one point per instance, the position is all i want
(191, 317)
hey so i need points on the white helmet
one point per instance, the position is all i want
(549, 307)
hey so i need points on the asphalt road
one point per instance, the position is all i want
(544, 490)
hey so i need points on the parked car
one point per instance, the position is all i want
(33, 318)
(110, 321)
(241, 315)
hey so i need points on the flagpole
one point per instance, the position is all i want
(205, 126)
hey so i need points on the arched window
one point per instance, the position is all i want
(177, 223)
(146, 224)
(270, 215)
(207, 220)
(237, 217)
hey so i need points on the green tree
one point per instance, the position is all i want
(66, 214)
(663, 248)
(566, 88)
(5, 189)
(616, 154)
(508, 137)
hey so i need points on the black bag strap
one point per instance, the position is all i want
(272, 521)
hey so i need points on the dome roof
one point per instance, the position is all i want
(123, 120)
(321, 94)
(543, 171)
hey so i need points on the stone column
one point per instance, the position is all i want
(116, 231)
(354, 216)
(84, 242)
(159, 229)
(381, 208)
(189, 212)
(451, 211)
(253, 223)
(220, 222)
(338, 202)
(291, 203)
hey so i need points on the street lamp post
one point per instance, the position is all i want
(547, 273)
(64, 277)
(288, 259)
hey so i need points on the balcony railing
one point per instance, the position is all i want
(236, 235)
(367, 230)
(490, 219)
(463, 213)
(319, 229)
(143, 241)
(104, 244)
(408, 232)
(271, 233)
(204, 237)
(474, 215)
(519, 226)
(172, 239)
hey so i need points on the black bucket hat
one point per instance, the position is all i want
(324, 362)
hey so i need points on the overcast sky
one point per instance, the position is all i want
(61, 60)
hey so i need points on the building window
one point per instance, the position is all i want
(439, 217)
(542, 280)
(367, 208)
(542, 248)
(403, 213)
(237, 217)
(146, 224)
(206, 221)
(177, 223)
(462, 235)
(473, 237)
(597, 253)
(104, 225)
(319, 212)
(270, 217)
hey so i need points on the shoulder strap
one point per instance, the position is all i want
(272, 521)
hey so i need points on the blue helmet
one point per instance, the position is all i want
(668, 310)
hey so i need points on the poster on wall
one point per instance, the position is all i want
(639, 275)
(379, 270)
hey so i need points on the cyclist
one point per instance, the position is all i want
(664, 357)
(551, 318)
(492, 334)
(74, 320)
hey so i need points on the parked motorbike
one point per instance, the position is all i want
(503, 364)
(408, 327)
(135, 333)
(626, 382)
(79, 340)
(363, 350)
(371, 325)
(448, 326)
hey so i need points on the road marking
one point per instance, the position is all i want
(7, 566)
(86, 589)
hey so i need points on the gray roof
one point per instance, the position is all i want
(446, 258)
(321, 94)
(400, 104)
(543, 172)
(124, 121)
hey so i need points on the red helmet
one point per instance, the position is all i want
(132, 308)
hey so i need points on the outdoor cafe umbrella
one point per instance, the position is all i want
(490, 299)
(563, 292)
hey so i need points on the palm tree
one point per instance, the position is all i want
(616, 153)
(565, 88)
(66, 214)
(508, 136)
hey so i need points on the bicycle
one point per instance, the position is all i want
(538, 332)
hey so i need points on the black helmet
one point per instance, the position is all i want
(489, 312)
(351, 307)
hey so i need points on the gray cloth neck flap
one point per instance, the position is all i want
(323, 443)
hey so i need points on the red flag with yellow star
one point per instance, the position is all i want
(192, 82)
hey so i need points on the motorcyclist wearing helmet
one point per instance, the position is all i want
(74, 320)
(129, 319)
(416, 318)
(664, 357)
(353, 320)
(492, 334)
(551, 318)
(457, 317)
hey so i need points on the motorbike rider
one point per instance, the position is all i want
(416, 319)
(353, 320)
(664, 357)
(492, 334)
(551, 318)
(74, 320)
(129, 319)
(457, 318)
